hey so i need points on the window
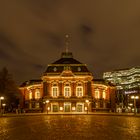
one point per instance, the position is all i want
(97, 94)
(30, 94)
(55, 69)
(79, 91)
(37, 94)
(67, 91)
(37, 105)
(79, 69)
(97, 104)
(54, 91)
(104, 94)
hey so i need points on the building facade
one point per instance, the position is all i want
(67, 86)
(127, 82)
(104, 96)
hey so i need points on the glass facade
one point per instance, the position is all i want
(125, 79)
(127, 82)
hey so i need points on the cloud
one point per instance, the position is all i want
(103, 34)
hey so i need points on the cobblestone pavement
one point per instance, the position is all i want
(70, 127)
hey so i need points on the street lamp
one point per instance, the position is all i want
(47, 101)
(134, 98)
(87, 101)
(3, 112)
(1, 98)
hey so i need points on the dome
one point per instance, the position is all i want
(65, 61)
(67, 58)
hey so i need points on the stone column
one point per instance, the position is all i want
(44, 88)
(60, 88)
(89, 88)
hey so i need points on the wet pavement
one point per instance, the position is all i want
(70, 127)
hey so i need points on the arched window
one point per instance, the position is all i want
(37, 94)
(67, 90)
(104, 94)
(30, 94)
(97, 94)
(79, 91)
(55, 90)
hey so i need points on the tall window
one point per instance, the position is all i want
(67, 91)
(37, 105)
(54, 91)
(37, 94)
(30, 94)
(104, 94)
(79, 91)
(97, 94)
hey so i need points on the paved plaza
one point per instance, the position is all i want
(70, 127)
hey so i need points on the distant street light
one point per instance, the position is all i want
(2, 98)
(3, 104)
(47, 101)
(134, 97)
(87, 101)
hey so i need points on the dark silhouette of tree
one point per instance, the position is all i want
(8, 89)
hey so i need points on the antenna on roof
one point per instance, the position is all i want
(67, 42)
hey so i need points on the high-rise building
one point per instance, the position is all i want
(127, 82)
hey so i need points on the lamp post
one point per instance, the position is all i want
(47, 101)
(1, 98)
(87, 101)
(134, 98)
(3, 112)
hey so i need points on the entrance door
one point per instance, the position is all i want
(67, 107)
(80, 107)
(55, 108)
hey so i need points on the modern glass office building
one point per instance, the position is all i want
(127, 82)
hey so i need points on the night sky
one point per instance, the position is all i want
(104, 34)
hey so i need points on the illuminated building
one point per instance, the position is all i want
(32, 93)
(67, 86)
(103, 96)
(127, 82)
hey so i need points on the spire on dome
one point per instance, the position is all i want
(67, 42)
(67, 54)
